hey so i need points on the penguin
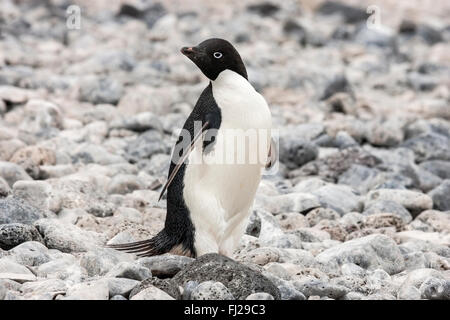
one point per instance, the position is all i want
(209, 201)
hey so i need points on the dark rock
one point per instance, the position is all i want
(350, 14)
(360, 178)
(166, 285)
(407, 27)
(150, 14)
(296, 31)
(337, 84)
(15, 210)
(441, 196)
(264, 9)
(13, 234)
(238, 278)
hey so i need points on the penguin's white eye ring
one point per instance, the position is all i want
(217, 55)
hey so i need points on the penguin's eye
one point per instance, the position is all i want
(217, 55)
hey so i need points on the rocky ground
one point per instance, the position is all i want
(360, 205)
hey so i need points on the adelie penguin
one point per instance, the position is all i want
(209, 197)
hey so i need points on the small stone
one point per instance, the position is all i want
(435, 289)
(100, 261)
(101, 90)
(315, 287)
(340, 198)
(121, 286)
(130, 270)
(211, 290)
(414, 201)
(91, 290)
(30, 253)
(124, 183)
(165, 265)
(67, 237)
(151, 293)
(14, 234)
(260, 296)
(12, 172)
(388, 206)
(440, 196)
(319, 214)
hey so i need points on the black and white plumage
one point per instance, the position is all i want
(208, 203)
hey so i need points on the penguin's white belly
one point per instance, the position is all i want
(220, 190)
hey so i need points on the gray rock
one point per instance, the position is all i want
(130, 270)
(145, 146)
(151, 293)
(340, 198)
(166, 285)
(125, 183)
(260, 296)
(314, 287)
(238, 278)
(211, 290)
(414, 260)
(12, 172)
(353, 296)
(118, 297)
(121, 286)
(41, 117)
(187, 289)
(101, 90)
(289, 292)
(435, 289)
(67, 237)
(350, 14)
(65, 268)
(388, 206)
(429, 146)
(440, 196)
(165, 265)
(9, 266)
(414, 201)
(319, 214)
(4, 188)
(30, 253)
(295, 152)
(360, 178)
(337, 84)
(332, 166)
(39, 193)
(91, 290)
(100, 261)
(370, 252)
(387, 133)
(39, 289)
(14, 210)
(13, 234)
(437, 167)
(408, 293)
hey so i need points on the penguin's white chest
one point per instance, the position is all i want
(220, 189)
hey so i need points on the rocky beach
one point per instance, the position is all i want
(91, 105)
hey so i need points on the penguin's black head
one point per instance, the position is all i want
(215, 55)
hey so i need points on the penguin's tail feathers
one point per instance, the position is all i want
(157, 245)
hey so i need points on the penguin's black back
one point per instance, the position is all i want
(178, 225)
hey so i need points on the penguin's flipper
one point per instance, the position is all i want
(272, 155)
(183, 159)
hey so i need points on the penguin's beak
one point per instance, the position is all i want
(192, 53)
